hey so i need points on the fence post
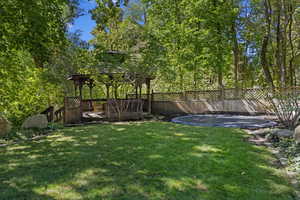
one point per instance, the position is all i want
(51, 114)
(148, 95)
(222, 98)
(185, 96)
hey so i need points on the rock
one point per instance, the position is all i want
(36, 121)
(262, 132)
(297, 134)
(283, 161)
(160, 117)
(5, 126)
(272, 138)
(296, 159)
(283, 133)
(148, 116)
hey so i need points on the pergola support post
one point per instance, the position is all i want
(106, 110)
(148, 84)
(107, 92)
(140, 91)
(136, 91)
(80, 90)
(91, 86)
(75, 89)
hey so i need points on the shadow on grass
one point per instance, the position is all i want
(141, 161)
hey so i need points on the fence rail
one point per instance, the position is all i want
(59, 114)
(49, 112)
(133, 96)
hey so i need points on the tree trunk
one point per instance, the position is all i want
(279, 46)
(236, 55)
(220, 78)
(265, 43)
(290, 38)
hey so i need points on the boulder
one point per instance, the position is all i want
(261, 132)
(283, 133)
(283, 161)
(5, 126)
(272, 138)
(297, 134)
(160, 117)
(36, 121)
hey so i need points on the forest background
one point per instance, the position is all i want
(185, 44)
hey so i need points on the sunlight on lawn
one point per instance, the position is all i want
(149, 161)
(207, 148)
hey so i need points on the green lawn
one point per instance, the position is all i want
(150, 160)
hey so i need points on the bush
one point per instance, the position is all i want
(284, 103)
(23, 90)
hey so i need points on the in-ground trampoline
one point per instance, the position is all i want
(229, 121)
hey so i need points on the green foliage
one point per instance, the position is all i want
(20, 86)
(288, 147)
(31, 33)
(186, 44)
(194, 38)
(37, 26)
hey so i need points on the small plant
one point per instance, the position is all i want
(288, 147)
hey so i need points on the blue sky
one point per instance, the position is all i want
(84, 23)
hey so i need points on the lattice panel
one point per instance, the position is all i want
(133, 96)
(256, 93)
(200, 95)
(233, 94)
(227, 94)
(169, 97)
(72, 102)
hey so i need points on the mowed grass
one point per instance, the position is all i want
(139, 161)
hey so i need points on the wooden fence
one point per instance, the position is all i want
(54, 116)
(124, 109)
(133, 96)
(59, 114)
(95, 105)
(73, 110)
(49, 112)
(238, 101)
(241, 101)
(226, 94)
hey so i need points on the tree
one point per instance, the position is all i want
(37, 26)
(31, 33)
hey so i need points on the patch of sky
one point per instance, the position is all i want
(84, 24)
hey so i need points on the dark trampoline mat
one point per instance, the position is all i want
(229, 121)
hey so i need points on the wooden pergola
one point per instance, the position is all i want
(112, 78)
(137, 80)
